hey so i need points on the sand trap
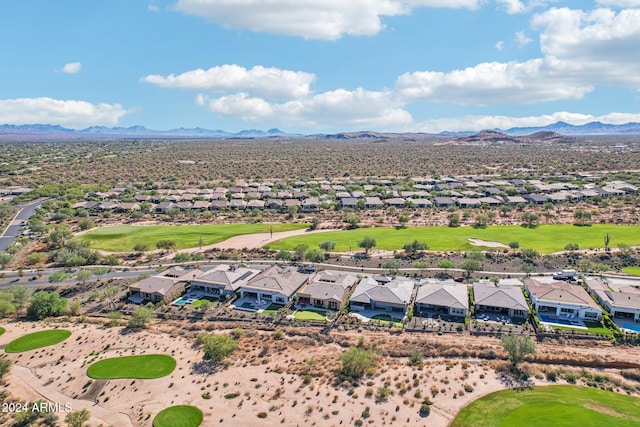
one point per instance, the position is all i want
(487, 243)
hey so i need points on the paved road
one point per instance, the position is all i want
(17, 225)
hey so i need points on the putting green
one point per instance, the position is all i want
(311, 315)
(37, 340)
(544, 238)
(178, 416)
(147, 366)
(123, 238)
(551, 406)
(635, 271)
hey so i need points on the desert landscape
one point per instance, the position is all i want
(288, 377)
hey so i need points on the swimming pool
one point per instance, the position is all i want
(635, 327)
(183, 301)
(561, 321)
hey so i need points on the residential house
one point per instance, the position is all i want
(163, 286)
(507, 300)
(348, 202)
(562, 299)
(442, 297)
(223, 280)
(328, 290)
(622, 302)
(274, 284)
(394, 296)
(373, 203)
(311, 204)
(443, 202)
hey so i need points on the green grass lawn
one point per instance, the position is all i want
(37, 340)
(594, 328)
(312, 315)
(632, 270)
(2, 330)
(556, 406)
(544, 238)
(146, 366)
(272, 309)
(123, 238)
(385, 319)
(178, 416)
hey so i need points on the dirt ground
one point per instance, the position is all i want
(288, 380)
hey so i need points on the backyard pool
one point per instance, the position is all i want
(561, 321)
(184, 301)
(635, 327)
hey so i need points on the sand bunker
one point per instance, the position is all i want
(486, 243)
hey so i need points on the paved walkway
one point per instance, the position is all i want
(99, 415)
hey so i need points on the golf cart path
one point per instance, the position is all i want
(98, 413)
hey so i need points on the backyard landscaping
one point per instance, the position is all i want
(594, 328)
(146, 366)
(544, 238)
(551, 406)
(37, 340)
(385, 319)
(178, 416)
(311, 315)
(272, 309)
(635, 271)
(123, 238)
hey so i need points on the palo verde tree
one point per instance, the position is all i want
(517, 347)
(367, 243)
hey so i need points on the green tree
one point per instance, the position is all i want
(7, 307)
(454, 220)
(315, 222)
(58, 276)
(204, 306)
(5, 366)
(182, 257)
(403, 219)
(314, 255)
(517, 347)
(21, 296)
(300, 250)
(327, 245)
(356, 361)
(100, 271)
(111, 260)
(514, 245)
(5, 259)
(83, 275)
(391, 265)
(530, 254)
(44, 304)
(217, 347)
(140, 247)
(367, 243)
(530, 220)
(446, 265)
(77, 418)
(86, 224)
(470, 266)
(110, 293)
(414, 247)
(141, 316)
(283, 255)
(166, 244)
(481, 221)
(421, 265)
(352, 219)
(582, 217)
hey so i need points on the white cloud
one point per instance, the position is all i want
(153, 8)
(310, 19)
(260, 81)
(499, 45)
(72, 68)
(522, 39)
(339, 108)
(477, 123)
(596, 46)
(619, 3)
(69, 113)
(490, 83)
(513, 6)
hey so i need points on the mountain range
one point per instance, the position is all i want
(44, 132)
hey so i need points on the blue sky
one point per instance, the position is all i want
(319, 65)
